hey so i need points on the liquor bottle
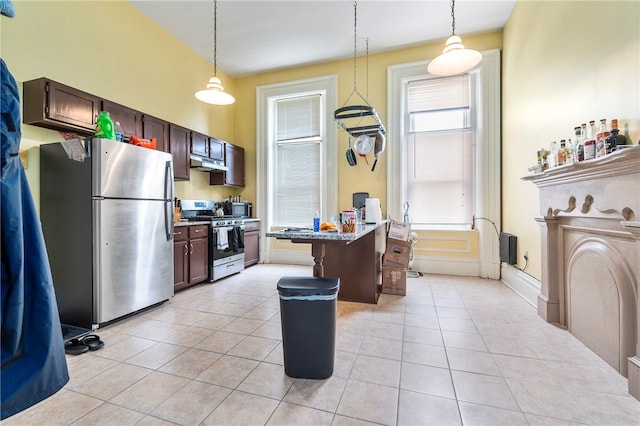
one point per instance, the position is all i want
(562, 153)
(615, 139)
(601, 139)
(578, 143)
(554, 155)
(590, 142)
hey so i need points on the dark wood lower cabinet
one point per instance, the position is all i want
(190, 256)
(251, 243)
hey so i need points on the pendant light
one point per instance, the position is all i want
(214, 93)
(455, 59)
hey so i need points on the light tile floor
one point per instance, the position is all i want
(455, 350)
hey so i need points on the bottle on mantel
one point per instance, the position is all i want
(615, 139)
(562, 153)
(601, 138)
(590, 141)
(579, 142)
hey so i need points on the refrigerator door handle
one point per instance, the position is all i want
(168, 181)
(168, 196)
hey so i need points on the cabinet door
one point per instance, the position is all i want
(234, 161)
(179, 148)
(155, 128)
(199, 144)
(251, 248)
(216, 149)
(199, 260)
(52, 105)
(130, 120)
(180, 265)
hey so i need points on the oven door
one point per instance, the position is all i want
(226, 241)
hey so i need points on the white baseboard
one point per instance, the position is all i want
(523, 284)
(446, 266)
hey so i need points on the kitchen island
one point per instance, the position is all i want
(353, 257)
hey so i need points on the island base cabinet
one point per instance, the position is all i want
(359, 267)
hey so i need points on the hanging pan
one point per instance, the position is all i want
(378, 148)
(363, 145)
(351, 156)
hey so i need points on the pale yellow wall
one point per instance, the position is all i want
(564, 63)
(350, 179)
(109, 49)
(359, 178)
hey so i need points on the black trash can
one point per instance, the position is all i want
(308, 315)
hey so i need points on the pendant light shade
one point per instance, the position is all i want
(214, 92)
(455, 59)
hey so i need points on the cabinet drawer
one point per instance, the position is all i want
(198, 231)
(180, 233)
(251, 226)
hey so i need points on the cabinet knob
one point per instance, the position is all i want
(191, 248)
(186, 250)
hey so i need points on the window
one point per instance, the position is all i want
(440, 151)
(474, 134)
(297, 159)
(296, 150)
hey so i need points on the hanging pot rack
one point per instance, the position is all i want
(346, 115)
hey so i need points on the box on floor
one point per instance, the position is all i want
(394, 280)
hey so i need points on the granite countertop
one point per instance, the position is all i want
(308, 234)
(189, 223)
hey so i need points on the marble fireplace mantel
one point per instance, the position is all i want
(590, 229)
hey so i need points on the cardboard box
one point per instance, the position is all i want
(399, 230)
(397, 253)
(394, 280)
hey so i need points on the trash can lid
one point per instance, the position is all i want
(308, 286)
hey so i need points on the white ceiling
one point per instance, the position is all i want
(261, 35)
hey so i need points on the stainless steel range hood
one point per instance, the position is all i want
(206, 164)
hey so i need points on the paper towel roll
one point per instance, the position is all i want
(373, 210)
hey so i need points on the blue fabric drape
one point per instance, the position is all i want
(33, 358)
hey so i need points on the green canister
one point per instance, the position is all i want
(104, 126)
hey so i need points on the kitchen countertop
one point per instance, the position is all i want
(307, 234)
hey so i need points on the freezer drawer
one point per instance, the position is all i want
(133, 256)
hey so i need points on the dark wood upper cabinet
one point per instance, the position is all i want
(199, 144)
(234, 160)
(52, 105)
(130, 120)
(155, 128)
(179, 140)
(216, 149)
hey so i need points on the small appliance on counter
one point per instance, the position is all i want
(237, 209)
(373, 210)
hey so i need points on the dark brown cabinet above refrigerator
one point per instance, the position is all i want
(55, 106)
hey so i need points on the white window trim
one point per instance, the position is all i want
(328, 86)
(487, 151)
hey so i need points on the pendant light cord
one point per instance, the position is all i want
(453, 17)
(215, 37)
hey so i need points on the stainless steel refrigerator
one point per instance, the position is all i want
(108, 228)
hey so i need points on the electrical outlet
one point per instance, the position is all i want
(526, 255)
